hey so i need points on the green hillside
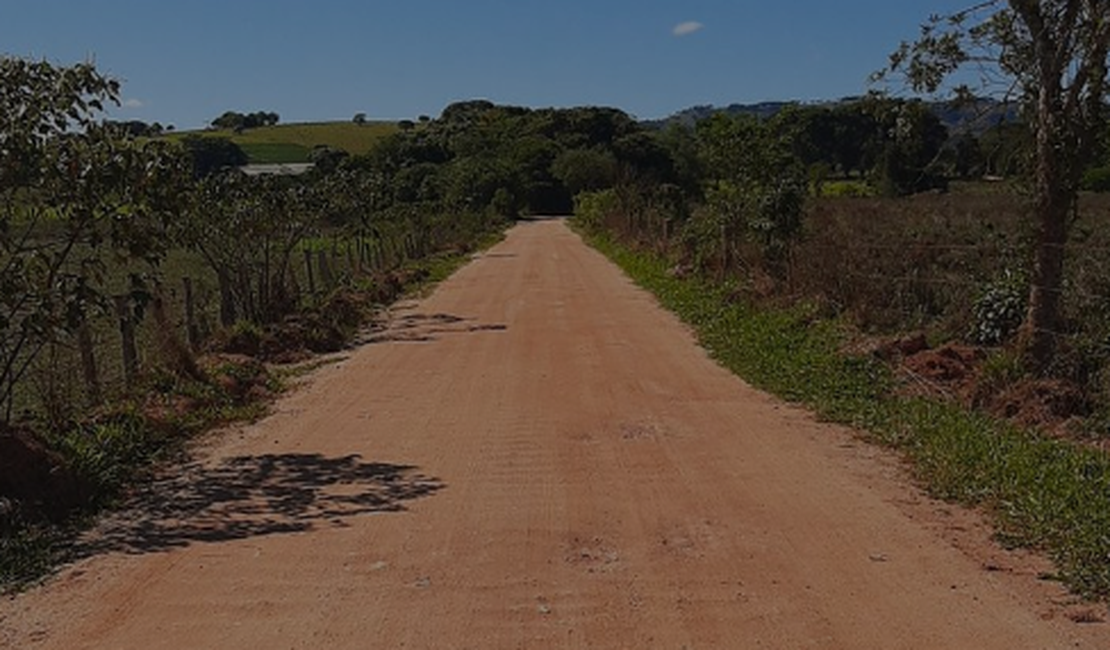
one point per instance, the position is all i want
(292, 143)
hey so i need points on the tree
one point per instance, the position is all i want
(137, 128)
(73, 193)
(327, 159)
(585, 170)
(1054, 53)
(212, 155)
(359, 119)
(247, 230)
(230, 121)
(756, 186)
(234, 121)
(907, 146)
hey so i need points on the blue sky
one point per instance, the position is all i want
(184, 63)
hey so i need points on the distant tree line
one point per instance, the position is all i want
(139, 129)
(234, 121)
(513, 160)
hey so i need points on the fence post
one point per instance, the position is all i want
(127, 338)
(327, 280)
(308, 269)
(88, 364)
(178, 357)
(192, 332)
(227, 305)
(353, 262)
(725, 261)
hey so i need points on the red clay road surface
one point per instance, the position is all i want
(538, 456)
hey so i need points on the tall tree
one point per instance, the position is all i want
(1054, 54)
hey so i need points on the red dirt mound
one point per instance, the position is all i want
(954, 371)
(1039, 403)
(949, 370)
(36, 480)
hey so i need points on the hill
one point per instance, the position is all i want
(975, 117)
(292, 143)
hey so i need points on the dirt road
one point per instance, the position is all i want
(537, 456)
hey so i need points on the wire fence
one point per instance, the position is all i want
(105, 357)
(957, 266)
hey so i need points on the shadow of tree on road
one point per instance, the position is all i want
(425, 328)
(253, 496)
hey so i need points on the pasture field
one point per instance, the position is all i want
(292, 143)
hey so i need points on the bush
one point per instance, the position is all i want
(847, 189)
(1096, 180)
(999, 309)
(592, 210)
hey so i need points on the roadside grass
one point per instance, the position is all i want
(1044, 494)
(292, 143)
(114, 450)
(26, 552)
(441, 266)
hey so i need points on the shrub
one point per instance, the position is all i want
(848, 189)
(999, 309)
(592, 210)
(1096, 180)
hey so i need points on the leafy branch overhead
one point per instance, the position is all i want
(71, 189)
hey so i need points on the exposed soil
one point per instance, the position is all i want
(538, 456)
(35, 482)
(955, 371)
(950, 370)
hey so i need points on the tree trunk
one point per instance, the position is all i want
(1055, 195)
(1042, 320)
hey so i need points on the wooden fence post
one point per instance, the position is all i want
(192, 332)
(227, 305)
(308, 269)
(127, 338)
(353, 263)
(175, 355)
(88, 364)
(725, 253)
(327, 280)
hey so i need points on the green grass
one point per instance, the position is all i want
(441, 266)
(26, 553)
(272, 153)
(1044, 494)
(292, 143)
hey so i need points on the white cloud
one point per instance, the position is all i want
(687, 28)
(133, 103)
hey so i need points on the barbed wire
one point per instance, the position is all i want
(957, 247)
(908, 279)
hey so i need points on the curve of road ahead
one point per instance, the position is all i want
(538, 456)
